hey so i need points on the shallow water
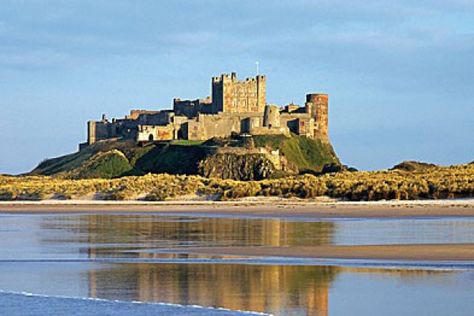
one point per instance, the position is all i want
(23, 303)
(64, 258)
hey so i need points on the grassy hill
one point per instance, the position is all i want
(307, 154)
(112, 159)
(102, 160)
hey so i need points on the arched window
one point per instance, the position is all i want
(150, 137)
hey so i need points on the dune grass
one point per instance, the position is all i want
(432, 183)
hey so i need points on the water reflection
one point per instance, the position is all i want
(237, 287)
(109, 232)
(280, 289)
(118, 235)
(295, 289)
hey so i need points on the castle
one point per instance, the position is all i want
(234, 107)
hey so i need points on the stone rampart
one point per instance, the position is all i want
(236, 107)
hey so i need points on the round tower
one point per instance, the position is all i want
(317, 107)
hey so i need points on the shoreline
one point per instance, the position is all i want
(255, 208)
(302, 210)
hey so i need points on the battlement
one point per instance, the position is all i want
(233, 78)
(134, 114)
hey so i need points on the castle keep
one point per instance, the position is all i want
(234, 107)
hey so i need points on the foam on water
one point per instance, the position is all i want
(12, 302)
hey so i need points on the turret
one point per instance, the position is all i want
(317, 106)
(261, 92)
(91, 132)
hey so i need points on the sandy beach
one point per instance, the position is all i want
(413, 252)
(257, 207)
(294, 209)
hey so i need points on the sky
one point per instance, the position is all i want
(400, 74)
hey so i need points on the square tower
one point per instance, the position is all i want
(231, 95)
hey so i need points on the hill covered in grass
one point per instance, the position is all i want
(304, 153)
(115, 158)
(112, 159)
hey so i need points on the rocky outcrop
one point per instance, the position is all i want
(334, 167)
(237, 167)
(414, 166)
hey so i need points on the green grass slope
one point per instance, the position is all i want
(173, 159)
(110, 164)
(102, 160)
(307, 154)
(112, 159)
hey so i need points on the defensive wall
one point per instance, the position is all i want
(234, 107)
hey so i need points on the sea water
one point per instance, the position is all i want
(119, 264)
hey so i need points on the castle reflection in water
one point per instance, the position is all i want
(264, 288)
(233, 286)
(239, 287)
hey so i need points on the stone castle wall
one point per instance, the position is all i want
(236, 106)
(207, 126)
(191, 108)
(97, 131)
(230, 95)
(147, 133)
(134, 114)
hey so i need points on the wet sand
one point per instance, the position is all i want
(293, 209)
(413, 252)
(258, 207)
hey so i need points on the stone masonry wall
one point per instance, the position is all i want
(230, 95)
(155, 133)
(317, 106)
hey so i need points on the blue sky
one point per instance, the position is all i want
(400, 74)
